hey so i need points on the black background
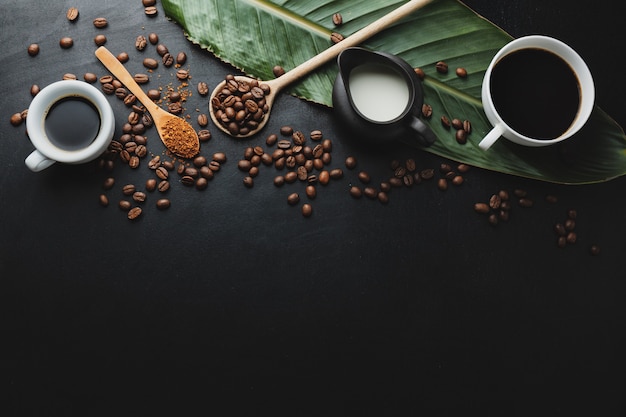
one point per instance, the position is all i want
(232, 303)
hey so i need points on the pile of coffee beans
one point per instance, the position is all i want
(305, 163)
(240, 106)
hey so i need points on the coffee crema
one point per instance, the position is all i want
(536, 93)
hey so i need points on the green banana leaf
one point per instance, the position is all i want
(256, 35)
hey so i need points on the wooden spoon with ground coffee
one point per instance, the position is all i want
(178, 136)
(272, 88)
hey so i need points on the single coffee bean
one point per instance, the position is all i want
(307, 210)
(356, 192)
(162, 173)
(364, 177)
(151, 11)
(427, 111)
(525, 202)
(561, 242)
(100, 22)
(163, 186)
(335, 37)
(370, 192)
(201, 183)
(163, 203)
(150, 63)
(570, 224)
(293, 199)
(457, 180)
(33, 49)
(324, 177)
(461, 72)
(572, 214)
(66, 42)
(181, 58)
(128, 189)
(72, 14)
(467, 126)
(383, 197)
(463, 168)
(187, 180)
(410, 165)
(336, 173)
(134, 162)
(153, 38)
(350, 162)
(16, 119)
(316, 135)
(123, 57)
(204, 135)
(286, 130)
(442, 184)
(311, 191)
(203, 88)
(594, 250)
(219, 157)
(151, 184)
(154, 94)
(134, 213)
(141, 78)
(457, 123)
(337, 19)
(108, 183)
(100, 40)
(481, 208)
(182, 74)
(139, 196)
(90, 77)
(420, 73)
(559, 229)
(124, 205)
(445, 122)
(461, 136)
(104, 200)
(148, 3)
(161, 49)
(571, 238)
(427, 174)
(278, 71)
(441, 67)
(203, 120)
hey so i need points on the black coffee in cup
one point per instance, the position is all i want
(535, 92)
(72, 123)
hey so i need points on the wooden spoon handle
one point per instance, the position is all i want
(122, 74)
(352, 40)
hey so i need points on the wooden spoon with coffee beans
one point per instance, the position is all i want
(178, 136)
(276, 85)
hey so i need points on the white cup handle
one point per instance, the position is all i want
(36, 161)
(491, 137)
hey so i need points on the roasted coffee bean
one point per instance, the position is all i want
(336, 173)
(291, 177)
(162, 173)
(445, 122)
(203, 120)
(385, 186)
(169, 165)
(457, 123)
(307, 210)
(204, 135)
(461, 72)
(90, 77)
(187, 180)
(364, 177)
(410, 165)
(33, 49)
(104, 200)
(151, 184)
(420, 73)
(441, 67)
(571, 238)
(163, 186)
(128, 189)
(16, 119)
(559, 229)
(298, 138)
(134, 213)
(201, 183)
(408, 180)
(153, 38)
(324, 177)
(383, 197)
(572, 214)
(203, 88)
(594, 250)
(303, 174)
(316, 135)
(219, 157)
(161, 49)
(370, 192)
(70, 76)
(442, 184)
(481, 208)
(570, 224)
(72, 14)
(427, 111)
(182, 74)
(148, 3)
(163, 203)
(350, 162)
(336, 37)
(467, 126)
(463, 168)
(458, 180)
(525, 202)
(134, 162)
(518, 192)
(286, 130)
(123, 57)
(167, 59)
(461, 136)
(139, 196)
(214, 165)
(108, 183)
(154, 94)
(141, 78)
(399, 172)
(293, 199)
(355, 191)
(66, 42)
(150, 63)
(311, 191)
(181, 58)
(124, 205)
(337, 19)
(278, 71)
(495, 201)
(100, 22)
(427, 174)
(151, 11)
(100, 40)
(552, 199)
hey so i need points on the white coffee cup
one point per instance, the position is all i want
(46, 152)
(577, 65)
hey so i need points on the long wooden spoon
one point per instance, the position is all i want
(276, 85)
(176, 134)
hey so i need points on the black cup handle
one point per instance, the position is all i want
(424, 137)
